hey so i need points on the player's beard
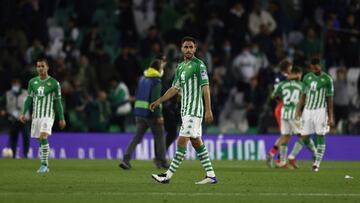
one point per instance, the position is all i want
(188, 55)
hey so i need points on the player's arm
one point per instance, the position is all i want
(155, 94)
(27, 103)
(207, 100)
(300, 106)
(204, 83)
(330, 103)
(293, 77)
(174, 90)
(59, 107)
(276, 92)
(168, 95)
(330, 110)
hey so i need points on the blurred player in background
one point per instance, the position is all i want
(13, 102)
(316, 108)
(192, 82)
(44, 93)
(289, 91)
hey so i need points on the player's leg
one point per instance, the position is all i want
(44, 128)
(320, 150)
(44, 152)
(299, 144)
(321, 129)
(277, 114)
(176, 161)
(186, 132)
(284, 140)
(286, 130)
(204, 158)
(141, 127)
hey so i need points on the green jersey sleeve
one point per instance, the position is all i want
(277, 91)
(202, 75)
(305, 86)
(57, 91)
(176, 81)
(330, 88)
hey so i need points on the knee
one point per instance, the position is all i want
(44, 136)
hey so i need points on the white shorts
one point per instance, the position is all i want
(41, 125)
(314, 121)
(191, 127)
(289, 127)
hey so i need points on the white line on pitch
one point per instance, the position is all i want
(188, 194)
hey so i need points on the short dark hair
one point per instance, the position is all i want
(42, 60)
(296, 69)
(155, 64)
(161, 57)
(284, 64)
(315, 61)
(188, 38)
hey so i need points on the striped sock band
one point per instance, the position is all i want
(310, 145)
(44, 152)
(320, 149)
(296, 149)
(283, 152)
(175, 163)
(203, 155)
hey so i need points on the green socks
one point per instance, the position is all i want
(44, 152)
(296, 149)
(320, 149)
(175, 163)
(203, 156)
(283, 152)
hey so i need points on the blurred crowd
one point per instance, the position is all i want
(98, 49)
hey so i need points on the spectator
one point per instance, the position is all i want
(119, 98)
(341, 96)
(98, 113)
(244, 65)
(233, 115)
(260, 17)
(13, 102)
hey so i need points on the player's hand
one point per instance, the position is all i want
(154, 105)
(22, 118)
(62, 124)
(208, 116)
(331, 122)
(298, 115)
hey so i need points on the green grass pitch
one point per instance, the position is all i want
(239, 181)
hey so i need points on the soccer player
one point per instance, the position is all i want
(316, 108)
(45, 94)
(191, 81)
(285, 70)
(289, 91)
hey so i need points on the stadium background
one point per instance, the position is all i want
(94, 45)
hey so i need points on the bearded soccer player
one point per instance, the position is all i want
(44, 94)
(316, 108)
(192, 82)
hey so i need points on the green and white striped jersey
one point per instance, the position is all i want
(190, 76)
(289, 92)
(317, 89)
(43, 93)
